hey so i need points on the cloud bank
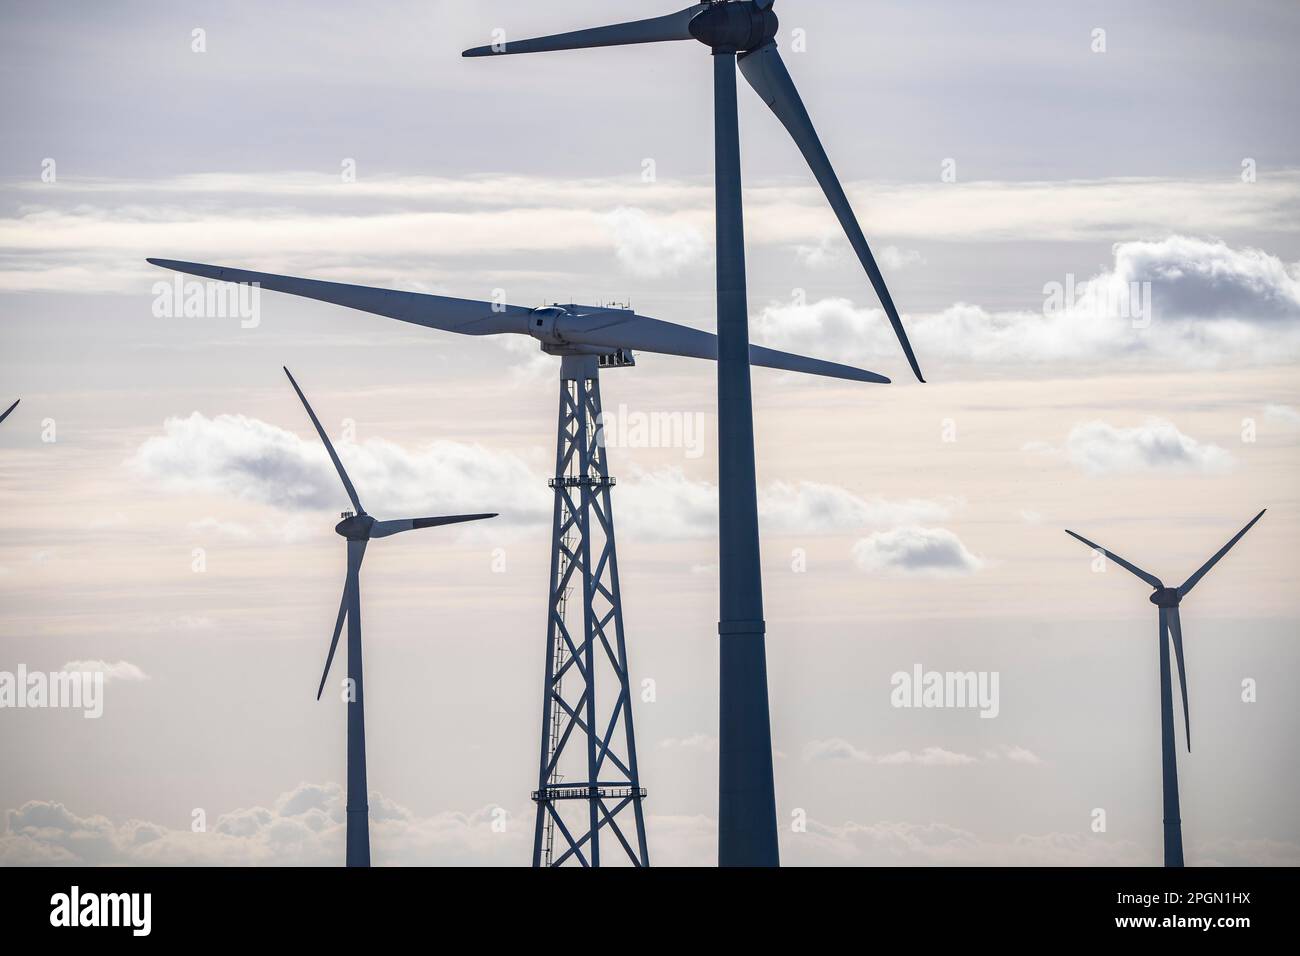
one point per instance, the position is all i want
(1181, 300)
(252, 460)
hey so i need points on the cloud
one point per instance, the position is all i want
(1015, 754)
(915, 550)
(122, 670)
(1282, 413)
(1198, 278)
(834, 250)
(668, 504)
(896, 259)
(836, 748)
(1099, 448)
(654, 247)
(252, 460)
(929, 757)
(303, 827)
(808, 506)
(76, 238)
(1190, 301)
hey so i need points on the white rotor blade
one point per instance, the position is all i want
(467, 316)
(1204, 569)
(355, 556)
(766, 73)
(674, 26)
(627, 330)
(329, 446)
(382, 529)
(1176, 633)
(1146, 576)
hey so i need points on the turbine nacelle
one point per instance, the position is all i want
(1166, 597)
(355, 527)
(735, 25)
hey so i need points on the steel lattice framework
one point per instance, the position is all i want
(588, 751)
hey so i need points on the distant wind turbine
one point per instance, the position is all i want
(10, 409)
(358, 528)
(1168, 599)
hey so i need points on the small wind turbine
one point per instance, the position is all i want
(9, 409)
(358, 528)
(1167, 600)
(738, 32)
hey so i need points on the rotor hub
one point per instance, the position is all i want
(733, 26)
(355, 527)
(1166, 597)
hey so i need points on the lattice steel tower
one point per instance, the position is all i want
(588, 769)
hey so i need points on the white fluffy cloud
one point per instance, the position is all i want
(655, 246)
(915, 550)
(252, 460)
(1099, 448)
(1187, 300)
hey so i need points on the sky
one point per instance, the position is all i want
(1093, 238)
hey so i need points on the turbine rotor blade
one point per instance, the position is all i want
(1191, 582)
(329, 447)
(466, 316)
(354, 571)
(9, 409)
(674, 26)
(1150, 579)
(382, 529)
(767, 74)
(627, 330)
(1176, 631)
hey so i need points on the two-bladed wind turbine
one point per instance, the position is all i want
(583, 555)
(1171, 628)
(9, 409)
(744, 29)
(358, 528)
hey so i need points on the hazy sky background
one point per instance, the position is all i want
(930, 516)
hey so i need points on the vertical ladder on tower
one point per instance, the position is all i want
(559, 655)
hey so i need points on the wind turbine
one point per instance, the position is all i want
(583, 554)
(9, 409)
(359, 528)
(744, 29)
(1167, 600)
